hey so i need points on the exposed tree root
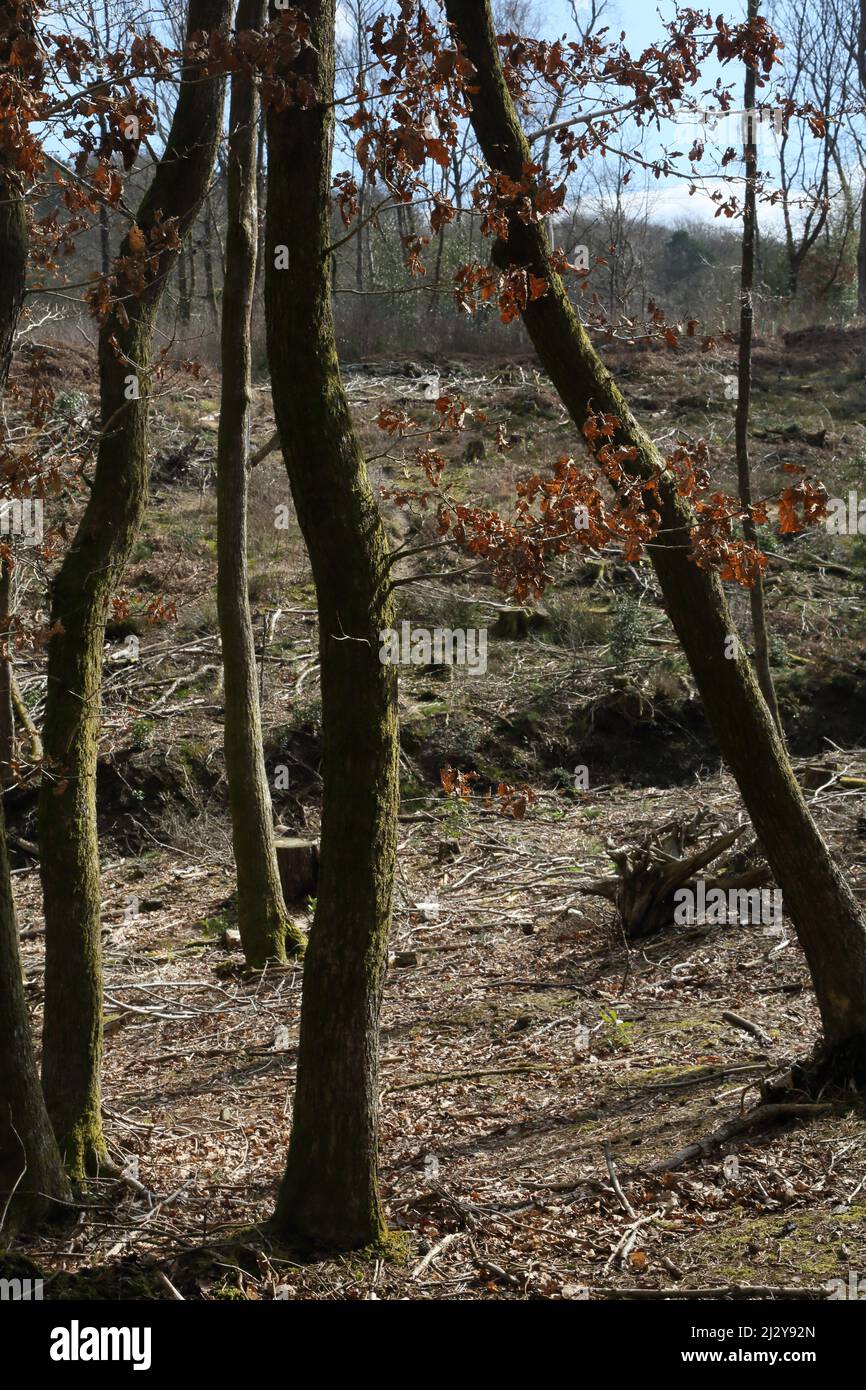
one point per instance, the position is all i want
(649, 873)
(840, 1067)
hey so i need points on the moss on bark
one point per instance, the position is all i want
(32, 1181)
(329, 1195)
(92, 567)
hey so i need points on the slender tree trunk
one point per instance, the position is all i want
(262, 918)
(32, 1180)
(104, 226)
(260, 201)
(183, 304)
(209, 285)
(69, 851)
(13, 253)
(329, 1194)
(744, 392)
(359, 235)
(190, 255)
(7, 716)
(819, 901)
(861, 75)
(861, 253)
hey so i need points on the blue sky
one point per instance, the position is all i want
(642, 24)
(670, 201)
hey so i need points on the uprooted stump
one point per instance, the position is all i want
(650, 873)
(298, 862)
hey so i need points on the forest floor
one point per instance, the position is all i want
(534, 1066)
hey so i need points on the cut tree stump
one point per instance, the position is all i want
(516, 624)
(650, 873)
(298, 862)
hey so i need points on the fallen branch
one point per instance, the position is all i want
(747, 1027)
(169, 1287)
(760, 1118)
(722, 1292)
(617, 1186)
(269, 447)
(436, 1251)
(445, 1076)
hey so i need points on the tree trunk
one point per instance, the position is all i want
(183, 304)
(32, 1179)
(104, 225)
(260, 201)
(329, 1195)
(31, 1174)
(744, 392)
(819, 901)
(69, 851)
(263, 922)
(861, 255)
(209, 285)
(861, 74)
(13, 260)
(7, 716)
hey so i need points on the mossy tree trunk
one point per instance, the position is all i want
(818, 899)
(32, 1179)
(91, 570)
(264, 925)
(329, 1195)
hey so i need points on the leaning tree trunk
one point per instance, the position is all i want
(329, 1194)
(263, 922)
(69, 851)
(32, 1180)
(819, 901)
(744, 390)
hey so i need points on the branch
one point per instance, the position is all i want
(579, 120)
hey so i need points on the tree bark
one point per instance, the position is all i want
(210, 286)
(32, 1180)
(7, 715)
(744, 392)
(260, 202)
(183, 304)
(861, 75)
(329, 1195)
(69, 851)
(263, 922)
(819, 901)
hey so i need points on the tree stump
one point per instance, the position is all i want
(650, 873)
(515, 624)
(298, 862)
